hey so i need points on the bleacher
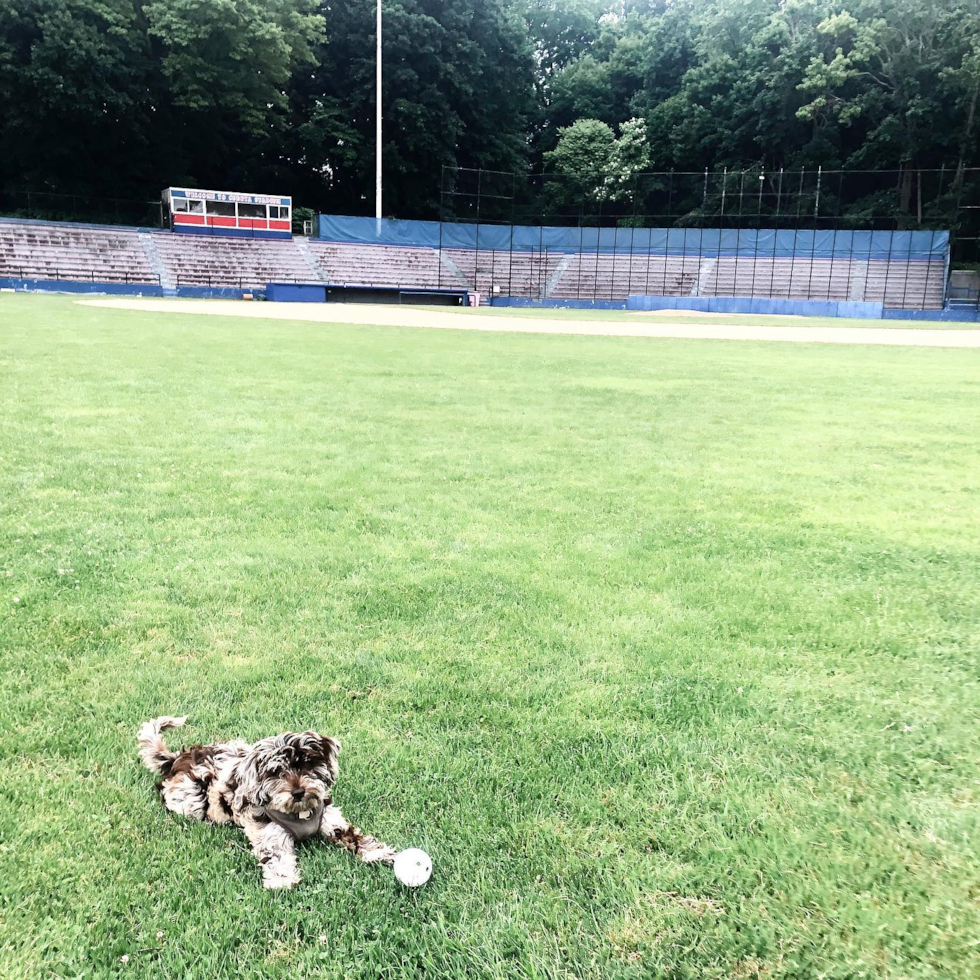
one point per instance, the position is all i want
(244, 263)
(386, 266)
(612, 276)
(522, 274)
(899, 283)
(70, 252)
(52, 251)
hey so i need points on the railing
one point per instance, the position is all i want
(391, 284)
(522, 273)
(206, 280)
(69, 274)
(964, 296)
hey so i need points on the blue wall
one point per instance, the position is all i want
(785, 307)
(215, 292)
(71, 286)
(558, 304)
(952, 314)
(706, 242)
(296, 292)
(218, 232)
(123, 288)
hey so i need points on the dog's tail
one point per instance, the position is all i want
(153, 750)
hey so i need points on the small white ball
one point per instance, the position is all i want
(413, 867)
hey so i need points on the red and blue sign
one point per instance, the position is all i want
(204, 212)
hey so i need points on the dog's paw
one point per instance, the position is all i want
(280, 879)
(377, 853)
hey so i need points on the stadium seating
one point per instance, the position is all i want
(380, 265)
(521, 274)
(49, 250)
(609, 276)
(72, 252)
(899, 283)
(902, 285)
(246, 263)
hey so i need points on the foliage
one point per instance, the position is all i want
(121, 97)
(581, 159)
(630, 156)
(235, 56)
(590, 163)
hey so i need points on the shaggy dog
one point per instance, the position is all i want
(277, 791)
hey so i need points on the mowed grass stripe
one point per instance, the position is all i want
(666, 651)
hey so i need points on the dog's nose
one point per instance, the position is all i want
(298, 794)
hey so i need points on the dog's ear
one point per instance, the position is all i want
(331, 749)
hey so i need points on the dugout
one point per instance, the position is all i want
(397, 295)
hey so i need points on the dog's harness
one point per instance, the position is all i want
(299, 828)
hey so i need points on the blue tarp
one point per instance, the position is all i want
(675, 241)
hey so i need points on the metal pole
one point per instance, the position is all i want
(758, 228)
(697, 291)
(837, 230)
(775, 233)
(510, 254)
(796, 237)
(669, 225)
(813, 241)
(738, 232)
(476, 256)
(598, 239)
(721, 229)
(629, 275)
(377, 133)
(929, 264)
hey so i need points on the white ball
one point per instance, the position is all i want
(413, 867)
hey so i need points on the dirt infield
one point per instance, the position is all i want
(400, 316)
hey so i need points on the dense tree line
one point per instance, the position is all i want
(122, 97)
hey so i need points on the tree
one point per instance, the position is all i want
(630, 157)
(880, 69)
(232, 58)
(964, 83)
(122, 97)
(458, 90)
(73, 100)
(562, 31)
(222, 70)
(592, 166)
(581, 161)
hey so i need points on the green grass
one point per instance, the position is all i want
(739, 319)
(665, 650)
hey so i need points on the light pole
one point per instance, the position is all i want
(377, 133)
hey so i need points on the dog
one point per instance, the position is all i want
(277, 790)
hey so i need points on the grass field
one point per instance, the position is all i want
(667, 651)
(760, 319)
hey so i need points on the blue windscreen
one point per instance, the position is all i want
(675, 241)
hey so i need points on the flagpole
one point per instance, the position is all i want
(377, 135)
